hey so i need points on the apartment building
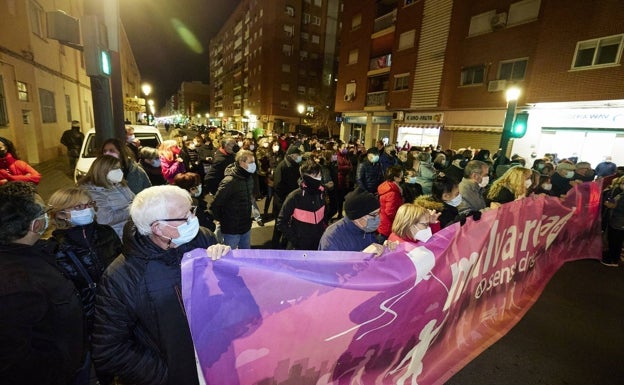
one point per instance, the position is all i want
(43, 84)
(436, 71)
(273, 65)
(192, 100)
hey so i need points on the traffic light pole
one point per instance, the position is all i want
(509, 118)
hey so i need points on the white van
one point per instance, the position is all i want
(148, 135)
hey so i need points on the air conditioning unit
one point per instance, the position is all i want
(499, 20)
(398, 115)
(497, 85)
(349, 97)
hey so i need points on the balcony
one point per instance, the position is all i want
(379, 65)
(385, 22)
(376, 99)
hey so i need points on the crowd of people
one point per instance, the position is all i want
(100, 300)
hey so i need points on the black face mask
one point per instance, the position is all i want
(311, 182)
(3, 153)
(235, 149)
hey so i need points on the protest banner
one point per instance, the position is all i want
(415, 315)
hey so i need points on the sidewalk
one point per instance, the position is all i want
(55, 174)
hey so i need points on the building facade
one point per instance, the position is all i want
(43, 84)
(273, 65)
(190, 104)
(435, 72)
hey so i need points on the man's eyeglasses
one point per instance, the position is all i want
(188, 218)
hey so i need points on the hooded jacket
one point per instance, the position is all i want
(140, 331)
(232, 202)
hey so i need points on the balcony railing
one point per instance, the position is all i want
(385, 21)
(376, 98)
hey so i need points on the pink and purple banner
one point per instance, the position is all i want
(415, 315)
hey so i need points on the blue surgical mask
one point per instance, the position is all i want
(412, 180)
(251, 168)
(375, 159)
(297, 159)
(156, 163)
(455, 201)
(187, 231)
(81, 217)
(570, 174)
(372, 224)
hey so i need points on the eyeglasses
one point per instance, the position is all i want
(80, 206)
(187, 219)
(374, 215)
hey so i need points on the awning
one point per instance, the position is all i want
(416, 125)
(494, 129)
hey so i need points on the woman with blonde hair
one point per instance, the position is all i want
(512, 185)
(414, 223)
(171, 163)
(104, 182)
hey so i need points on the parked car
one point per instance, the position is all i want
(148, 135)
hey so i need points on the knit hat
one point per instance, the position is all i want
(293, 150)
(359, 202)
(75, 123)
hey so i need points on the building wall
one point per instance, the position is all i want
(44, 64)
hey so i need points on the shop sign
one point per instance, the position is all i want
(424, 118)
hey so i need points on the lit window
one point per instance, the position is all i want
(306, 18)
(356, 21)
(289, 30)
(353, 56)
(316, 20)
(22, 91)
(472, 75)
(290, 11)
(316, 39)
(598, 52)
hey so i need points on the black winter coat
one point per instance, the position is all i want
(140, 332)
(232, 202)
(42, 339)
(303, 228)
(216, 172)
(369, 176)
(285, 178)
(95, 246)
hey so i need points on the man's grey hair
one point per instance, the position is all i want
(153, 203)
(474, 167)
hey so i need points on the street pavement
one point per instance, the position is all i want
(573, 335)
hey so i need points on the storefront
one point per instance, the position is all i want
(419, 129)
(366, 128)
(589, 131)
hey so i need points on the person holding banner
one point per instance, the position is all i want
(414, 223)
(355, 231)
(513, 185)
(444, 199)
(140, 332)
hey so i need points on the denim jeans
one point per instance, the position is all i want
(238, 241)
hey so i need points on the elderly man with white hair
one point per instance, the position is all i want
(141, 334)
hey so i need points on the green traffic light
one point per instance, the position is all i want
(106, 63)
(519, 127)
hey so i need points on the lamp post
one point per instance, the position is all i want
(147, 90)
(300, 110)
(512, 95)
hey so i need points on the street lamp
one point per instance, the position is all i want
(300, 110)
(512, 95)
(147, 90)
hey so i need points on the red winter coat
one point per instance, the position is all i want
(389, 200)
(15, 170)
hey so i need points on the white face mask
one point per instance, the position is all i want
(422, 235)
(528, 183)
(265, 145)
(455, 201)
(275, 148)
(115, 176)
(570, 174)
(199, 191)
(547, 186)
(484, 181)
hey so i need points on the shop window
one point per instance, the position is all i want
(598, 52)
(472, 75)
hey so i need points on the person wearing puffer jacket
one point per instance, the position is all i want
(390, 199)
(444, 199)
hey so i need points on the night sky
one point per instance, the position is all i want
(161, 36)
